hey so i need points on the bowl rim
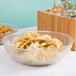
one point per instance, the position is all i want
(9, 25)
(71, 41)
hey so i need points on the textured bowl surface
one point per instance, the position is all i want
(38, 56)
(13, 27)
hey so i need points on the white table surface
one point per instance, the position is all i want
(9, 67)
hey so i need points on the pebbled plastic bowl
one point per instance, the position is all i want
(14, 27)
(38, 56)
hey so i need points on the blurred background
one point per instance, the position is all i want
(23, 13)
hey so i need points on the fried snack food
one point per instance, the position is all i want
(3, 31)
(32, 40)
(35, 49)
(56, 9)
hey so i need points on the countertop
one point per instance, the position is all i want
(9, 67)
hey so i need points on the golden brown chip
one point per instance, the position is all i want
(34, 46)
(17, 44)
(51, 46)
(56, 42)
(4, 29)
(45, 38)
(31, 34)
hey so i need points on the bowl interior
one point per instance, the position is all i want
(66, 39)
(38, 56)
(14, 27)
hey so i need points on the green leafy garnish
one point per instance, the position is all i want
(63, 0)
(70, 6)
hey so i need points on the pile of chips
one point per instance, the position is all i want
(32, 40)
